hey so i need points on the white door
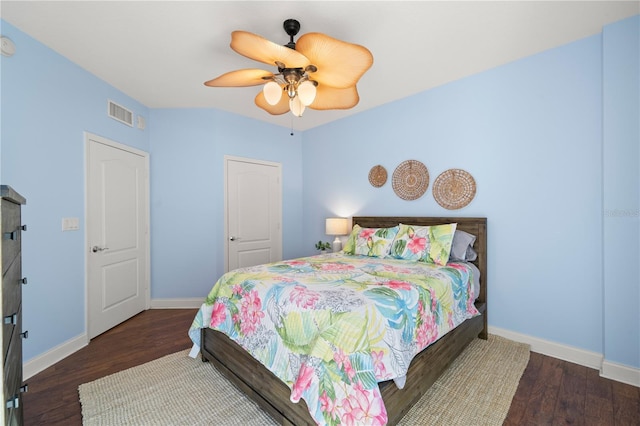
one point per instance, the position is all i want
(253, 212)
(117, 233)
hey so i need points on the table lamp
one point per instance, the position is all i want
(337, 226)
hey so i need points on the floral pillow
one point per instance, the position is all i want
(350, 245)
(430, 244)
(374, 242)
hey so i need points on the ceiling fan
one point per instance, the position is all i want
(318, 72)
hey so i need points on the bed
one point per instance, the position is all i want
(275, 397)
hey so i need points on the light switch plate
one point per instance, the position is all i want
(70, 223)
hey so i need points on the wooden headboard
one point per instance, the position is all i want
(473, 225)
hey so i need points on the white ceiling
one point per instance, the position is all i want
(161, 52)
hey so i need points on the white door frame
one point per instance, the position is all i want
(228, 158)
(88, 137)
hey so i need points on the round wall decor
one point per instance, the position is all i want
(377, 176)
(454, 189)
(410, 180)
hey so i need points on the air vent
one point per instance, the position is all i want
(120, 113)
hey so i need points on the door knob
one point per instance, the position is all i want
(96, 249)
(233, 238)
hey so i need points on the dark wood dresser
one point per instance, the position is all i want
(11, 296)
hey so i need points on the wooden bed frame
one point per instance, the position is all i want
(272, 395)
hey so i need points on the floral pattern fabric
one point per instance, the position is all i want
(424, 243)
(332, 326)
(374, 242)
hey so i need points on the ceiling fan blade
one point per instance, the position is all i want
(340, 64)
(277, 109)
(260, 49)
(328, 97)
(240, 78)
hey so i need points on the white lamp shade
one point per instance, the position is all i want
(307, 92)
(272, 92)
(296, 106)
(337, 226)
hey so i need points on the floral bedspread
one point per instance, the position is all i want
(332, 326)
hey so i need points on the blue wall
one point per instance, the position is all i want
(532, 133)
(187, 193)
(621, 163)
(48, 103)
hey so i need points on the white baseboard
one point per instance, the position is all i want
(553, 349)
(608, 369)
(188, 303)
(47, 359)
(621, 373)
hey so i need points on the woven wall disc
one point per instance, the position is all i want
(410, 180)
(377, 176)
(454, 189)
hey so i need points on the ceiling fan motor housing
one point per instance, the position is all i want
(291, 27)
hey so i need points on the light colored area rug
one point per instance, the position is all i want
(177, 390)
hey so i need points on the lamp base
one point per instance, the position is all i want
(337, 245)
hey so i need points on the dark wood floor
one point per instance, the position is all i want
(551, 392)
(52, 398)
(555, 392)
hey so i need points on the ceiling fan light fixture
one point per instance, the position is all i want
(307, 92)
(296, 107)
(336, 67)
(272, 92)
